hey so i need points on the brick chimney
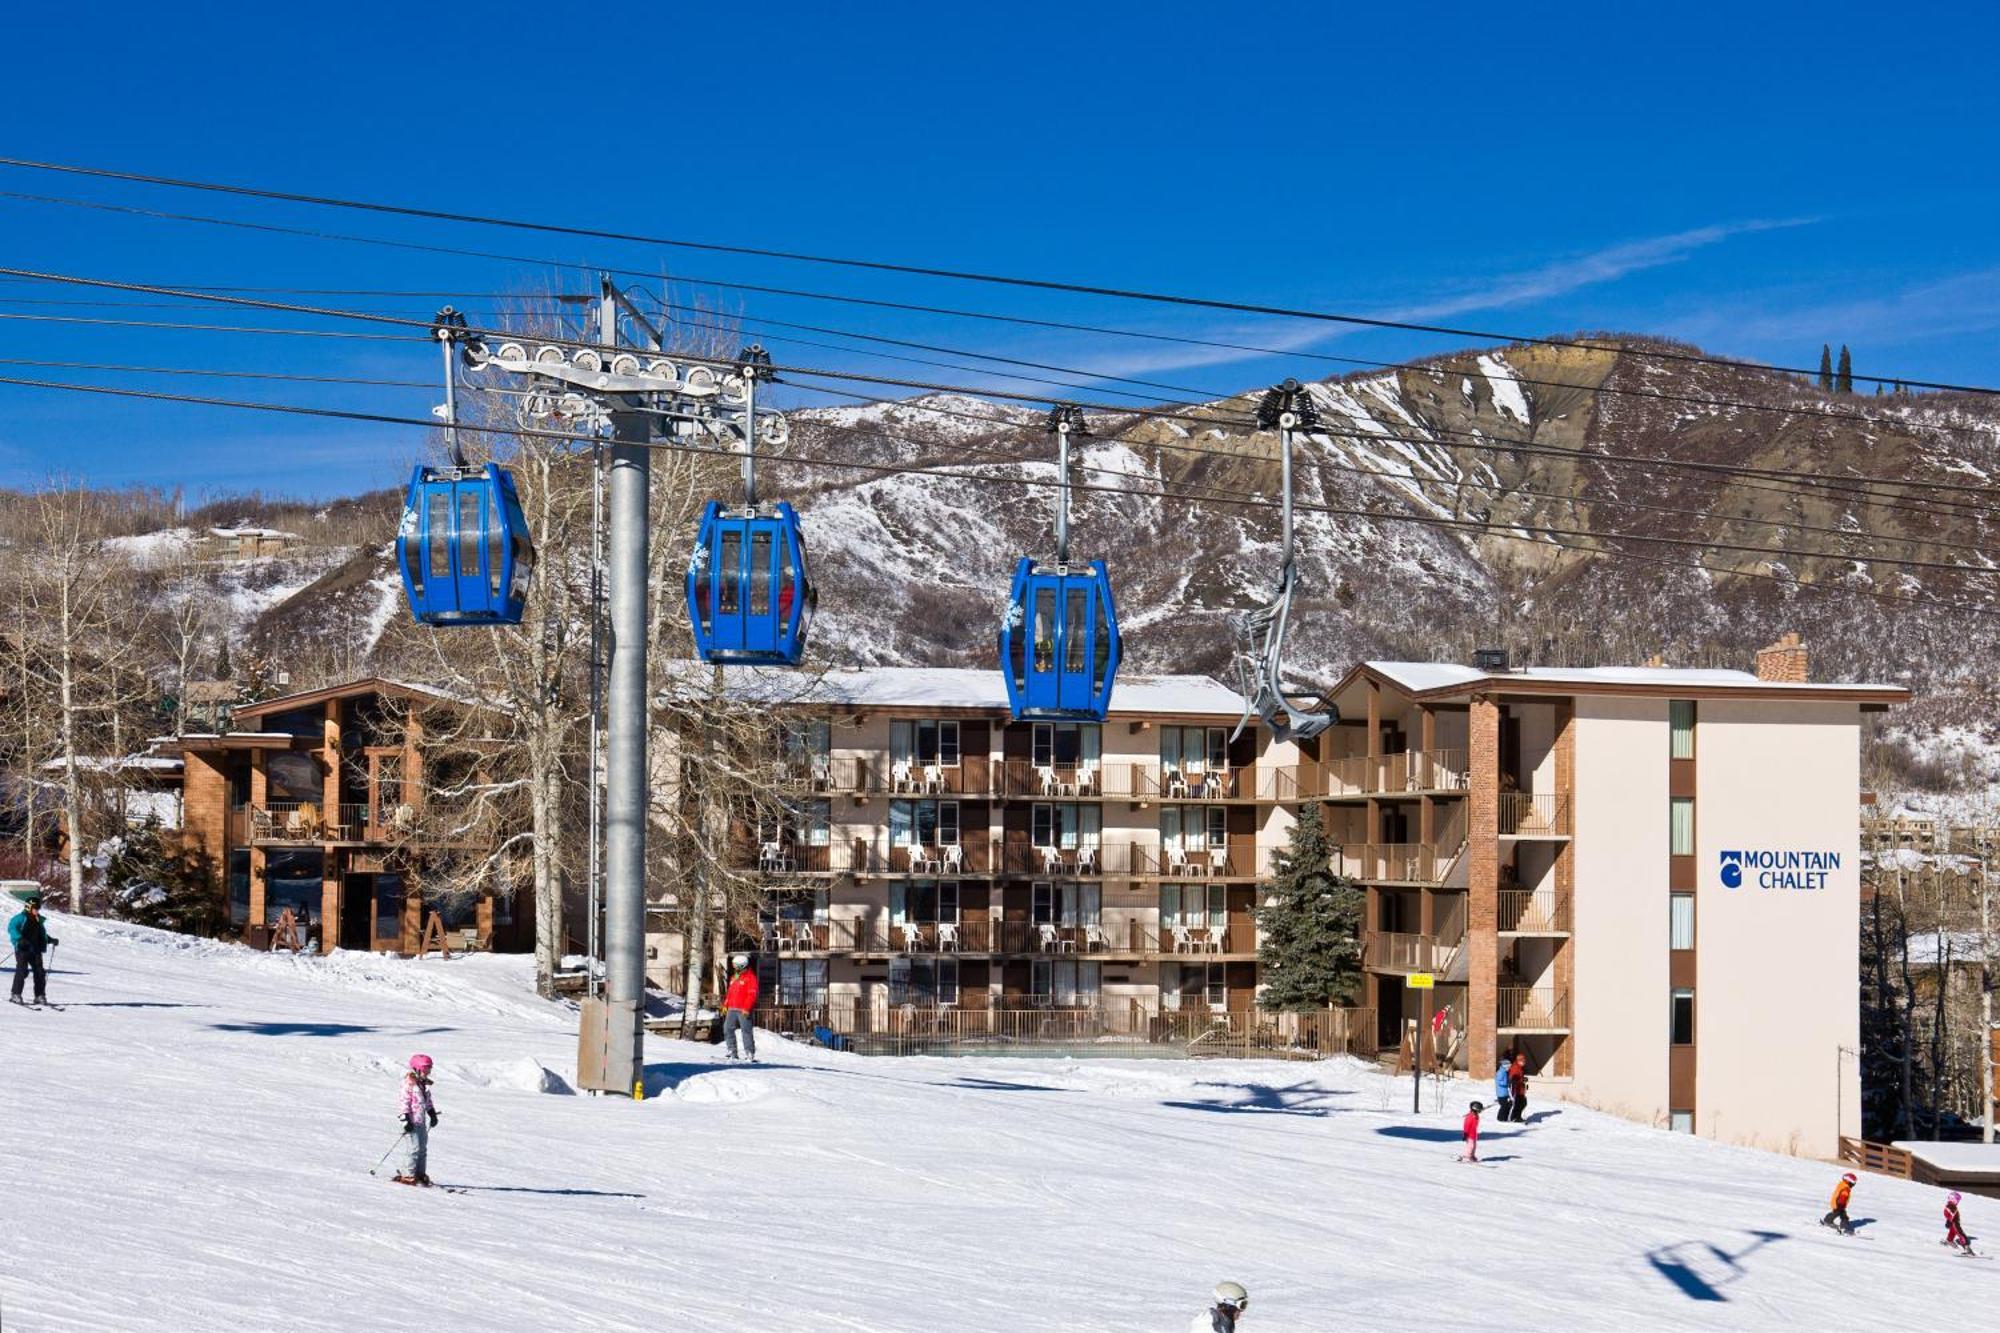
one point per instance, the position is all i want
(1784, 660)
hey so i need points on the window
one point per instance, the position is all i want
(1683, 1018)
(923, 981)
(729, 573)
(1680, 826)
(924, 902)
(496, 538)
(1193, 905)
(922, 823)
(1066, 904)
(1066, 826)
(1075, 636)
(293, 879)
(239, 886)
(1194, 828)
(1045, 629)
(1680, 726)
(1192, 986)
(1061, 744)
(924, 742)
(388, 907)
(760, 574)
(1194, 749)
(1680, 921)
(440, 535)
(796, 905)
(468, 534)
(794, 981)
(1065, 984)
(1681, 1122)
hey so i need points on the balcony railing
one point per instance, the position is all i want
(1191, 782)
(1409, 771)
(1534, 814)
(1394, 951)
(1534, 912)
(1064, 781)
(1407, 862)
(1086, 860)
(978, 933)
(1533, 1008)
(1199, 862)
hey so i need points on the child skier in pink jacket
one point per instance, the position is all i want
(418, 1117)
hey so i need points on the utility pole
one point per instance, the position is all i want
(1985, 986)
(639, 397)
(626, 782)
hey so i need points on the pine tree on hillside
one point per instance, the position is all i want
(1311, 949)
(222, 660)
(1825, 368)
(1844, 380)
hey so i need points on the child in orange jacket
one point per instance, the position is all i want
(1837, 1216)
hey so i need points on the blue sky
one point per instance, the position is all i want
(1757, 179)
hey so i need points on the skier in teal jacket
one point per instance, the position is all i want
(29, 935)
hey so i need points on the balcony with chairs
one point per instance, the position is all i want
(1181, 861)
(1083, 859)
(1194, 782)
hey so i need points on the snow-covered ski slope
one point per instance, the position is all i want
(187, 1147)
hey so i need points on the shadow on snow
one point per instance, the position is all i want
(1678, 1264)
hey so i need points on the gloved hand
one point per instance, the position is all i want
(434, 1117)
(407, 1123)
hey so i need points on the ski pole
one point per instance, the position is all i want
(392, 1147)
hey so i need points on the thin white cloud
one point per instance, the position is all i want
(1557, 278)
(1955, 305)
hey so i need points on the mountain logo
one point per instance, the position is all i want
(1732, 870)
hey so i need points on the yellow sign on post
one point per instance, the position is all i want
(1421, 980)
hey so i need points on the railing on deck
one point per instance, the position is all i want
(1533, 912)
(1415, 862)
(1098, 1030)
(1408, 771)
(1398, 951)
(1877, 1157)
(1530, 814)
(1533, 1007)
(1191, 782)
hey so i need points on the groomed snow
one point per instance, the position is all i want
(188, 1147)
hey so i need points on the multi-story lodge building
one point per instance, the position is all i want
(314, 803)
(936, 853)
(1647, 879)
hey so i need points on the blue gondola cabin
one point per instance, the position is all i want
(1059, 641)
(750, 600)
(464, 547)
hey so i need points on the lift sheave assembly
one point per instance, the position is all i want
(1059, 636)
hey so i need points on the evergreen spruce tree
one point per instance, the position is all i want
(1311, 950)
(1844, 380)
(222, 660)
(156, 881)
(1825, 368)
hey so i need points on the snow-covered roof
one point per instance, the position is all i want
(1957, 1158)
(95, 763)
(968, 687)
(1424, 677)
(254, 532)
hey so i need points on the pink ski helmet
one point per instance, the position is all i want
(1954, 1196)
(420, 1063)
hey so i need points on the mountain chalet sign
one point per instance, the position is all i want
(1768, 869)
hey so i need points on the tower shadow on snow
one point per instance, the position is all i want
(1679, 1264)
(1265, 1099)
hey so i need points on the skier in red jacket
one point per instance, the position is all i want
(1471, 1126)
(737, 1003)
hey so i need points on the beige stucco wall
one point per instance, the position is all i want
(1620, 1003)
(1776, 999)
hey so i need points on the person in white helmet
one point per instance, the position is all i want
(1230, 1303)
(737, 1003)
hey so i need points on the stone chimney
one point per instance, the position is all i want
(1784, 660)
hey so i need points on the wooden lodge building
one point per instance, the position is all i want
(313, 803)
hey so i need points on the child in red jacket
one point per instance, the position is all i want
(1471, 1153)
(1954, 1227)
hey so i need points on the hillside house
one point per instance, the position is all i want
(246, 543)
(319, 802)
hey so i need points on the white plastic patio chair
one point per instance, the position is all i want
(913, 936)
(1183, 940)
(1050, 785)
(947, 937)
(1052, 941)
(899, 775)
(954, 859)
(1086, 860)
(1094, 940)
(933, 778)
(1052, 858)
(1176, 782)
(1177, 861)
